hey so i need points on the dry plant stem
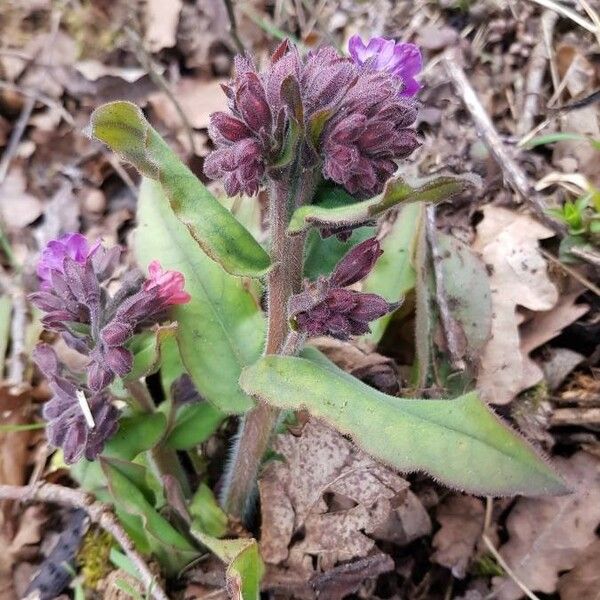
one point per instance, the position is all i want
(233, 30)
(283, 280)
(99, 513)
(485, 128)
(535, 75)
(164, 460)
(448, 322)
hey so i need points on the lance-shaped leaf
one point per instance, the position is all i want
(396, 191)
(126, 482)
(245, 567)
(460, 442)
(221, 329)
(123, 127)
(146, 348)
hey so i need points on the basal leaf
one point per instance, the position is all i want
(123, 127)
(245, 567)
(460, 442)
(222, 328)
(396, 191)
(130, 495)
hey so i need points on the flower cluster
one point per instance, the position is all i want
(326, 307)
(349, 117)
(76, 303)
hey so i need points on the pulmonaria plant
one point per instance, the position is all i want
(76, 304)
(347, 119)
(325, 307)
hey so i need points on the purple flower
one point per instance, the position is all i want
(169, 284)
(350, 122)
(400, 59)
(72, 245)
(79, 421)
(326, 308)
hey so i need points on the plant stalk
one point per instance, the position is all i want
(163, 460)
(285, 279)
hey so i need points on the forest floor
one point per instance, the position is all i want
(498, 75)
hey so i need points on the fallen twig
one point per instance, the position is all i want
(233, 30)
(572, 272)
(99, 513)
(485, 128)
(490, 546)
(535, 76)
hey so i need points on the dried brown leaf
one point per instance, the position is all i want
(508, 243)
(461, 519)
(583, 582)
(327, 492)
(18, 207)
(161, 21)
(550, 535)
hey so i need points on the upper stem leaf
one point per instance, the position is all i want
(123, 127)
(396, 191)
(460, 442)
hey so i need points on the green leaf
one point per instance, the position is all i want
(467, 289)
(207, 515)
(245, 567)
(396, 191)
(222, 328)
(565, 136)
(127, 487)
(460, 442)
(123, 127)
(393, 275)
(194, 424)
(146, 348)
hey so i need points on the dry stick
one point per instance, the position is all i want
(490, 546)
(449, 324)
(99, 513)
(16, 135)
(572, 272)
(485, 128)
(535, 76)
(41, 98)
(233, 30)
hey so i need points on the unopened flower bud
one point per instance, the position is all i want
(357, 263)
(116, 333)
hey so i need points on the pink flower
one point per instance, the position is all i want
(400, 59)
(169, 283)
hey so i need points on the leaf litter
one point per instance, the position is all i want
(337, 519)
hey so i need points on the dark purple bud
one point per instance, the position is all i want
(116, 333)
(99, 376)
(46, 360)
(252, 103)
(119, 360)
(357, 263)
(227, 127)
(105, 261)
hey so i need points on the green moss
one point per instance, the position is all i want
(93, 558)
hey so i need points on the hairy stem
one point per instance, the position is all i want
(164, 461)
(284, 280)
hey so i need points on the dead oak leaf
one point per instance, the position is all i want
(320, 466)
(583, 582)
(461, 519)
(508, 244)
(18, 207)
(550, 535)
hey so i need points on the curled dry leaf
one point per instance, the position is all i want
(323, 500)
(550, 535)
(461, 519)
(508, 243)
